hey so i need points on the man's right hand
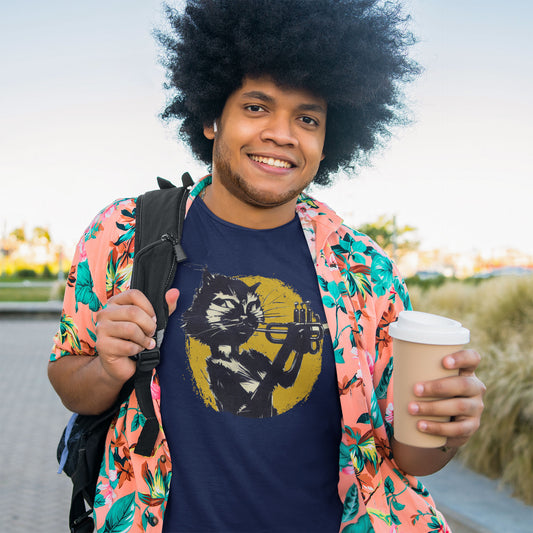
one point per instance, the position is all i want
(126, 327)
(90, 385)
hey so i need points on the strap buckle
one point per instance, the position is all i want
(83, 523)
(147, 360)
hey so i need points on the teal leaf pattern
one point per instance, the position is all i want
(120, 517)
(328, 301)
(381, 390)
(323, 283)
(138, 421)
(92, 335)
(420, 489)
(351, 504)
(401, 291)
(381, 274)
(99, 500)
(363, 525)
(375, 412)
(84, 288)
(338, 351)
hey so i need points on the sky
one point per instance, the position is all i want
(82, 89)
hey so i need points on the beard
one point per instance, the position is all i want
(243, 189)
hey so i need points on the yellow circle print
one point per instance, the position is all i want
(279, 359)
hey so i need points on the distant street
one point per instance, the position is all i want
(33, 497)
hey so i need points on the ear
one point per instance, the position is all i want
(253, 288)
(207, 277)
(209, 131)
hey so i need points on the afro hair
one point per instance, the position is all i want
(352, 53)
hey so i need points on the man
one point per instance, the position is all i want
(279, 309)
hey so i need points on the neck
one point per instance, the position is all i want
(231, 209)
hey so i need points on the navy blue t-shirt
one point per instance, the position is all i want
(249, 395)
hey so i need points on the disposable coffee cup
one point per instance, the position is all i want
(420, 342)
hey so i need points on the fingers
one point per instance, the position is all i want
(452, 407)
(457, 432)
(131, 304)
(459, 398)
(171, 298)
(126, 338)
(466, 361)
(460, 418)
(124, 328)
(450, 387)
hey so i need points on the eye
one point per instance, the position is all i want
(309, 121)
(223, 304)
(254, 108)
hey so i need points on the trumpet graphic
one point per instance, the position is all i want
(306, 322)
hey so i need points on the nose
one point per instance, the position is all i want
(280, 130)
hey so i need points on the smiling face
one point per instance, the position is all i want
(267, 149)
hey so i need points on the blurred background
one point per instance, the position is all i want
(449, 197)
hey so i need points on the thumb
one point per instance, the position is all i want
(171, 298)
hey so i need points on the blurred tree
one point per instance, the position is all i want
(19, 234)
(394, 239)
(41, 232)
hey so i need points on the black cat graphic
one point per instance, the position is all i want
(224, 314)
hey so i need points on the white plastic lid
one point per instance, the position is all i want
(425, 328)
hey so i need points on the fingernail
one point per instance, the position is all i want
(151, 344)
(154, 318)
(414, 408)
(422, 426)
(419, 389)
(449, 362)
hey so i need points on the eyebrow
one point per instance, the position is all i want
(263, 97)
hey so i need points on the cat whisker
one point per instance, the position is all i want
(276, 299)
(273, 315)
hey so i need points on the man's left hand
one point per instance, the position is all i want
(459, 397)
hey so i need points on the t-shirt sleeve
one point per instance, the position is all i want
(101, 267)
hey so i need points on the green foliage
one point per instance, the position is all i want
(19, 234)
(508, 319)
(499, 313)
(47, 272)
(426, 283)
(26, 273)
(25, 294)
(41, 233)
(389, 235)
(503, 446)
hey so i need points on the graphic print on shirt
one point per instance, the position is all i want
(254, 347)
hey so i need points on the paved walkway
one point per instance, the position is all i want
(34, 498)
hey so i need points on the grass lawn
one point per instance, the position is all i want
(25, 294)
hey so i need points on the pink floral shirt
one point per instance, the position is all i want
(362, 294)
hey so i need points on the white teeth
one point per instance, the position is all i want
(271, 161)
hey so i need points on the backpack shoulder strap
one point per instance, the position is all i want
(158, 231)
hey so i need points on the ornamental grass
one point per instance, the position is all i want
(499, 314)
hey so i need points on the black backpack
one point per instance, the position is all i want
(158, 230)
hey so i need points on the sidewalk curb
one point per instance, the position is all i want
(50, 309)
(459, 523)
(476, 504)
